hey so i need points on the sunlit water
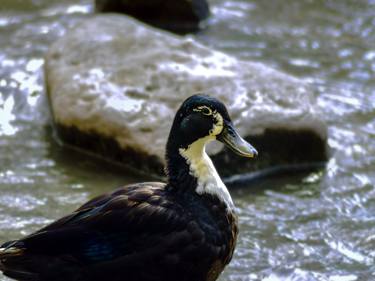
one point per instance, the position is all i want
(316, 227)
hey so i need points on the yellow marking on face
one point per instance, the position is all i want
(218, 125)
(205, 110)
(218, 119)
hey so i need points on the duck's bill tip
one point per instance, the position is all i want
(248, 151)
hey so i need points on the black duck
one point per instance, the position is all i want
(182, 230)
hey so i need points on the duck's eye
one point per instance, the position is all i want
(204, 109)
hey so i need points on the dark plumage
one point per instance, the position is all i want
(185, 229)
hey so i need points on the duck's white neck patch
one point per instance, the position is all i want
(202, 168)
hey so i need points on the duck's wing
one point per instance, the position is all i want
(127, 228)
(119, 204)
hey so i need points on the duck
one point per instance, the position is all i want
(184, 229)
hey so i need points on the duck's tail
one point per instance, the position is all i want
(20, 263)
(14, 264)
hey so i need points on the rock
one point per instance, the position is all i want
(181, 16)
(114, 86)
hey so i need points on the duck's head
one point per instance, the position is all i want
(199, 120)
(202, 119)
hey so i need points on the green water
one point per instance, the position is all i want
(316, 227)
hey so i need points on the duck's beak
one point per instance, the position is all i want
(233, 140)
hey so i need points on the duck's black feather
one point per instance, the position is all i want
(116, 236)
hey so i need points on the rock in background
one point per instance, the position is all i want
(181, 16)
(115, 84)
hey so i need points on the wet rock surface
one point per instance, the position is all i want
(181, 16)
(114, 86)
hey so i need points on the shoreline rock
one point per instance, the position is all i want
(114, 85)
(178, 16)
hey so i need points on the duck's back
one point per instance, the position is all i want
(140, 232)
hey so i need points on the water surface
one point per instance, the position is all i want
(319, 226)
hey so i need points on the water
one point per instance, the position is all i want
(319, 226)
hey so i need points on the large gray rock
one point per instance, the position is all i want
(114, 86)
(180, 16)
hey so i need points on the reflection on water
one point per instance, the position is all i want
(6, 117)
(319, 226)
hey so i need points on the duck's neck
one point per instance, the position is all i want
(190, 169)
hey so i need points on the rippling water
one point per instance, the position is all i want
(315, 227)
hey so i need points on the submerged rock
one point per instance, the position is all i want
(114, 86)
(175, 15)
